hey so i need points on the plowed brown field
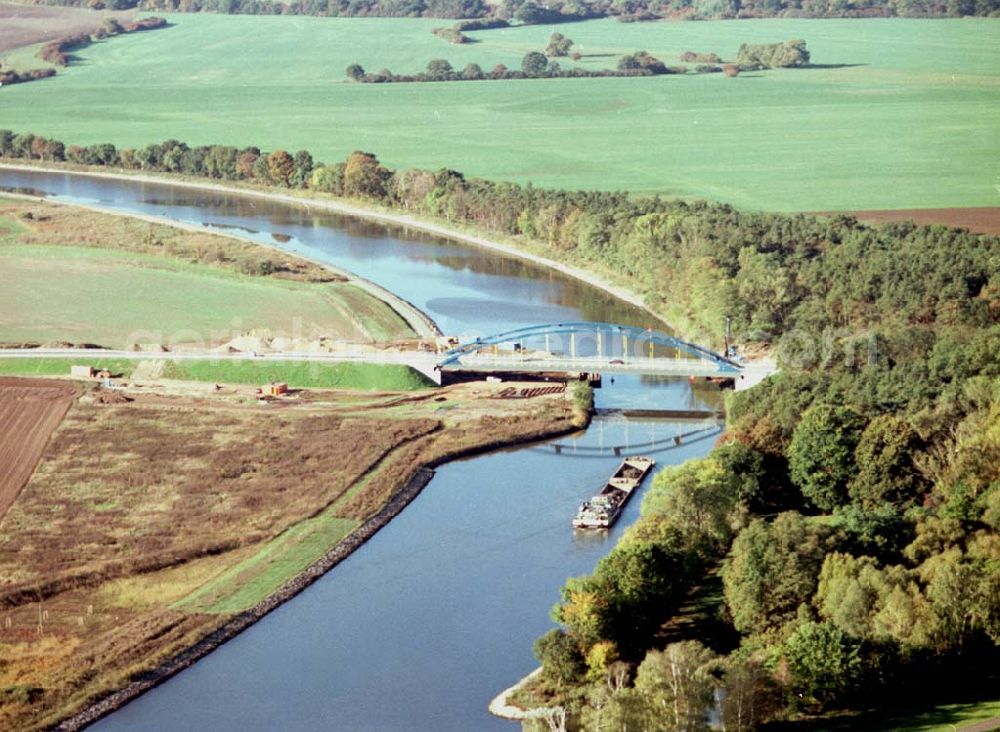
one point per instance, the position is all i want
(982, 220)
(30, 410)
(24, 25)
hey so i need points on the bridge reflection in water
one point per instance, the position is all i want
(617, 435)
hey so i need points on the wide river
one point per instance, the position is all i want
(424, 624)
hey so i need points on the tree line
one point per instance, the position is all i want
(555, 11)
(539, 65)
(534, 65)
(57, 52)
(456, 33)
(10, 76)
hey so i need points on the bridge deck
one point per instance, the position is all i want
(665, 366)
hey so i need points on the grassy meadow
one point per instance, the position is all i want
(297, 374)
(84, 277)
(302, 374)
(896, 113)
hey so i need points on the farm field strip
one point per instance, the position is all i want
(896, 114)
(27, 25)
(983, 220)
(30, 411)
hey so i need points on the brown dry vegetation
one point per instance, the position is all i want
(137, 504)
(26, 25)
(29, 411)
(51, 224)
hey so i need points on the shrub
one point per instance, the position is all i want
(561, 659)
(772, 55)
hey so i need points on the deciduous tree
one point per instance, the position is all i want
(821, 454)
(676, 687)
(280, 167)
(559, 45)
(534, 63)
(365, 176)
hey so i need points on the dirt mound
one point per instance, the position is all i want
(263, 341)
(105, 396)
(149, 370)
(147, 348)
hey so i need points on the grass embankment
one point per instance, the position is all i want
(297, 374)
(942, 718)
(70, 274)
(162, 517)
(903, 119)
(365, 376)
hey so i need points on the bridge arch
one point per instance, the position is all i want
(574, 330)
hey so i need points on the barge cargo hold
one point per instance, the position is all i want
(601, 511)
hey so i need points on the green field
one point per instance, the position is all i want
(943, 718)
(119, 298)
(910, 121)
(367, 376)
(42, 366)
(278, 560)
(301, 374)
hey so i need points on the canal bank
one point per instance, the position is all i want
(356, 209)
(337, 554)
(420, 626)
(421, 324)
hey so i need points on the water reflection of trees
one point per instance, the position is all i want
(287, 218)
(593, 303)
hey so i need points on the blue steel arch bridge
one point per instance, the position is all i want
(587, 347)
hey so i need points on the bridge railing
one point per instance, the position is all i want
(592, 344)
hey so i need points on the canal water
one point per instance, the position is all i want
(419, 628)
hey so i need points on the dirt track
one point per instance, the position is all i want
(982, 220)
(30, 410)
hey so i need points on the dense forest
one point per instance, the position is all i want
(853, 511)
(555, 11)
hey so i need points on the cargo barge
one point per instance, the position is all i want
(601, 511)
